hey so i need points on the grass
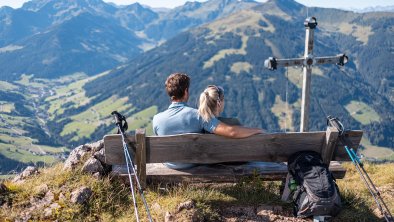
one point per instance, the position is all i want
(6, 176)
(111, 200)
(224, 52)
(373, 151)
(361, 33)
(70, 91)
(29, 81)
(6, 107)
(358, 202)
(25, 156)
(279, 110)
(237, 23)
(14, 120)
(239, 67)
(54, 150)
(362, 112)
(85, 123)
(6, 86)
(143, 119)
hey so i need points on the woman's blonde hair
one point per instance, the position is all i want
(210, 99)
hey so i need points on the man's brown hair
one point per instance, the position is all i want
(176, 84)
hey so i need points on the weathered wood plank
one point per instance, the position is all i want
(141, 156)
(208, 148)
(158, 172)
(114, 149)
(354, 137)
(329, 144)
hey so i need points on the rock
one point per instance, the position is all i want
(48, 198)
(81, 195)
(97, 175)
(100, 155)
(62, 197)
(75, 157)
(169, 217)
(264, 210)
(96, 146)
(29, 171)
(42, 189)
(240, 211)
(49, 210)
(37, 205)
(186, 205)
(92, 165)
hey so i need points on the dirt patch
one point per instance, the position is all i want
(260, 213)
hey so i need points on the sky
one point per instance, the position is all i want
(342, 4)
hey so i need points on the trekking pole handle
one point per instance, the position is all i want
(118, 120)
(116, 116)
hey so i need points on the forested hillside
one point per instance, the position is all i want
(67, 64)
(231, 51)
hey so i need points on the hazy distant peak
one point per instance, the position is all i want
(192, 5)
(375, 9)
(36, 5)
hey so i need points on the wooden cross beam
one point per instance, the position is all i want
(307, 62)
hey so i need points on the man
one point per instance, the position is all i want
(180, 118)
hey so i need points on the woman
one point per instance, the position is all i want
(211, 105)
(211, 102)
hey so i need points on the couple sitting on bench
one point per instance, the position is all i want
(180, 118)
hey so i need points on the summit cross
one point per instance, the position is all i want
(307, 62)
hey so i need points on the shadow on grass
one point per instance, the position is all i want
(355, 208)
(253, 192)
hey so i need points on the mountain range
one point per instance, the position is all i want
(65, 65)
(91, 36)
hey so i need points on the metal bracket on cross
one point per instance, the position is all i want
(306, 62)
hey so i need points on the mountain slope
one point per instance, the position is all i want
(92, 32)
(90, 43)
(231, 52)
(79, 36)
(193, 14)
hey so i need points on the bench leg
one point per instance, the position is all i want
(286, 190)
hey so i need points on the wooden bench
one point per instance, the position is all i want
(152, 151)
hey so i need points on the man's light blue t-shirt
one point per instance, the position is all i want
(180, 118)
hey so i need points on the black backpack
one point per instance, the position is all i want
(317, 193)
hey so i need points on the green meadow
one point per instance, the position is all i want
(362, 112)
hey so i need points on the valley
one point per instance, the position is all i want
(64, 73)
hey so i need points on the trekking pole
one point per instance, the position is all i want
(372, 188)
(130, 165)
(360, 169)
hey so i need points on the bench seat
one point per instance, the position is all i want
(152, 151)
(226, 173)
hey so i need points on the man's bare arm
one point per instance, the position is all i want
(223, 129)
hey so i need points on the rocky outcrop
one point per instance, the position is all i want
(81, 195)
(29, 171)
(95, 163)
(75, 157)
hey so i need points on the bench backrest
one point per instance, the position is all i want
(209, 148)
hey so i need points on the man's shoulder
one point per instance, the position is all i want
(159, 116)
